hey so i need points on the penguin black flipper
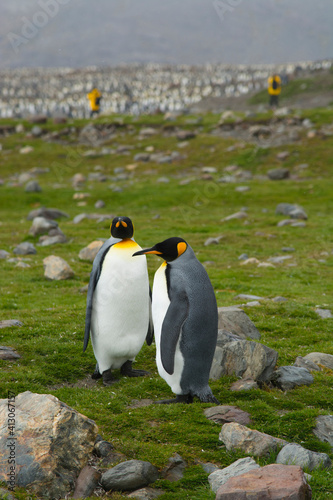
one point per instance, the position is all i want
(94, 277)
(150, 332)
(173, 321)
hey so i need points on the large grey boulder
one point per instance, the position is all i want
(221, 476)
(235, 320)
(295, 454)
(243, 358)
(273, 482)
(129, 475)
(238, 437)
(324, 429)
(289, 377)
(52, 443)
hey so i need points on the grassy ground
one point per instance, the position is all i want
(52, 313)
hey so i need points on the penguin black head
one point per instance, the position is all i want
(122, 227)
(169, 249)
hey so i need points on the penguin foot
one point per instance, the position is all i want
(96, 375)
(107, 377)
(184, 398)
(128, 371)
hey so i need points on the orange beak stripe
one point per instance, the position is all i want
(156, 252)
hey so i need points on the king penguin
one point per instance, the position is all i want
(118, 314)
(185, 319)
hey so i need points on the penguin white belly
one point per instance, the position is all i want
(160, 304)
(120, 310)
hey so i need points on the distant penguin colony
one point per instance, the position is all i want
(185, 321)
(118, 314)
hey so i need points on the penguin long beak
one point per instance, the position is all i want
(146, 251)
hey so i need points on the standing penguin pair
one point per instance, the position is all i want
(183, 307)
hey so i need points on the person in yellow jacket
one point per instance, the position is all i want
(94, 100)
(274, 89)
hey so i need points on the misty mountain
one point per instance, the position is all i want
(78, 33)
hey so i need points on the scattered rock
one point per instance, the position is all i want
(237, 215)
(244, 385)
(32, 187)
(324, 429)
(236, 321)
(225, 414)
(292, 223)
(185, 135)
(278, 174)
(26, 150)
(144, 157)
(99, 204)
(321, 359)
(25, 248)
(56, 268)
(78, 180)
(242, 189)
(295, 454)
(244, 296)
(213, 241)
(250, 261)
(90, 252)
(53, 442)
(279, 259)
(55, 236)
(103, 448)
(298, 213)
(129, 475)
(146, 494)
(324, 313)
(47, 213)
(221, 476)
(243, 358)
(289, 377)
(87, 482)
(6, 323)
(39, 119)
(279, 299)
(174, 471)
(4, 254)
(273, 481)
(239, 437)
(283, 155)
(287, 208)
(8, 352)
(41, 225)
(306, 363)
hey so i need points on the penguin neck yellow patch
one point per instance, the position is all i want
(126, 243)
(181, 247)
(164, 264)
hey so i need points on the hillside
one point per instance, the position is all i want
(217, 182)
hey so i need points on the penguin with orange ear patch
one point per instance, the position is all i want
(185, 319)
(118, 315)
